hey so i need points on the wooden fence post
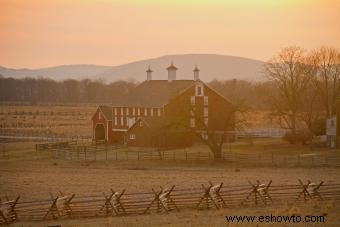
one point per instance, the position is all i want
(85, 152)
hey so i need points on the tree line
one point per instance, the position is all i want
(42, 90)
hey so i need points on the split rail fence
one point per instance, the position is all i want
(91, 152)
(165, 200)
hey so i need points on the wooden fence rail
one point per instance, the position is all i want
(118, 152)
(165, 200)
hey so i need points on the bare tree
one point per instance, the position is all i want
(327, 77)
(236, 120)
(290, 77)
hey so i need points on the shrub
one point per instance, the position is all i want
(301, 136)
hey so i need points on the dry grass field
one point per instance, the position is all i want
(34, 175)
(52, 120)
(47, 120)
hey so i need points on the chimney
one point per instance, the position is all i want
(196, 73)
(149, 74)
(171, 72)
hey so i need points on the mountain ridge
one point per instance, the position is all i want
(212, 66)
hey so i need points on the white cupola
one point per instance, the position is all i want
(171, 72)
(148, 74)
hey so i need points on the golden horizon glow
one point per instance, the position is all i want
(40, 33)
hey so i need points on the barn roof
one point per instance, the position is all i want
(107, 111)
(154, 93)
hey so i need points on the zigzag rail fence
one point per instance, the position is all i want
(119, 152)
(165, 200)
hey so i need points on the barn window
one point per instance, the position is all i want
(115, 111)
(138, 111)
(122, 121)
(199, 90)
(192, 122)
(116, 121)
(133, 111)
(159, 112)
(132, 136)
(127, 111)
(206, 121)
(145, 112)
(206, 111)
(206, 100)
(151, 112)
(205, 136)
(121, 111)
(192, 100)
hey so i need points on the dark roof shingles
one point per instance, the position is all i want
(155, 93)
(107, 111)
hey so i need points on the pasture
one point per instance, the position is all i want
(35, 175)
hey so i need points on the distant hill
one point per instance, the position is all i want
(212, 66)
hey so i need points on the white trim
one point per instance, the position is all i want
(206, 100)
(205, 111)
(119, 130)
(192, 123)
(107, 131)
(192, 100)
(201, 86)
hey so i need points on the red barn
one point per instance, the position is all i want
(164, 113)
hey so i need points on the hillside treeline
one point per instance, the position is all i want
(35, 91)
(41, 90)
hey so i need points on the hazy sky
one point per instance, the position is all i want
(39, 33)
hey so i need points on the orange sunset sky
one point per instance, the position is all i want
(41, 33)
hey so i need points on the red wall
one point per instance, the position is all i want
(96, 121)
(218, 109)
(143, 136)
(177, 110)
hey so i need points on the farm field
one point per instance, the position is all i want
(34, 175)
(54, 120)
(23, 170)
(46, 120)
